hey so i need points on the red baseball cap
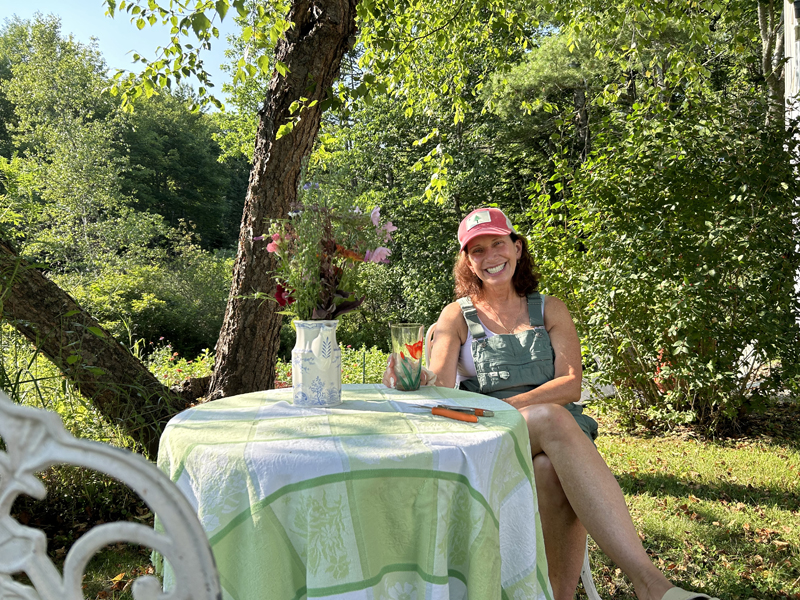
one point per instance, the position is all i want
(483, 221)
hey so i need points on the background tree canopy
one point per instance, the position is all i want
(639, 146)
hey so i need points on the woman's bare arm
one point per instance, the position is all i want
(451, 333)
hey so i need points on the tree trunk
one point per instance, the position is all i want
(770, 25)
(102, 369)
(582, 122)
(312, 51)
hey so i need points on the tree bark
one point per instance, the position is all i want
(102, 369)
(312, 51)
(770, 25)
(582, 122)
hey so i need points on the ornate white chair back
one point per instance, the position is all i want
(35, 440)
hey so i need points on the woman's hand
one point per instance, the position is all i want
(389, 376)
(391, 380)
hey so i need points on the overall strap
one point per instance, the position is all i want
(535, 309)
(471, 317)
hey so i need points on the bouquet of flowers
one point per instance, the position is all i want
(318, 251)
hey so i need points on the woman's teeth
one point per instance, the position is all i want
(496, 269)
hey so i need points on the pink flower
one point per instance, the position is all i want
(387, 231)
(375, 215)
(274, 245)
(379, 255)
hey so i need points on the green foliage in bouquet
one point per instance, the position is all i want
(319, 249)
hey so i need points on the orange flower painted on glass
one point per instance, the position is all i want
(415, 350)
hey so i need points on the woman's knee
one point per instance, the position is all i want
(545, 420)
(548, 485)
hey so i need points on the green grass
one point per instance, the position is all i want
(112, 571)
(720, 516)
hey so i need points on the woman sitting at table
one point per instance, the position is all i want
(504, 339)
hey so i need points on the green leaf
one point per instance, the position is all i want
(239, 5)
(97, 331)
(222, 8)
(284, 129)
(200, 23)
(263, 64)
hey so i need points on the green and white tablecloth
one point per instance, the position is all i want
(372, 499)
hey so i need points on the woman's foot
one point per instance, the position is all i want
(654, 586)
(677, 593)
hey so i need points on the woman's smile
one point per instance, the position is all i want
(493, 258)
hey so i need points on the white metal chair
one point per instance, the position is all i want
(35, 439)
(586, 570)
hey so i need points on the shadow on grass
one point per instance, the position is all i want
(731, 559)
(777, 426)
(660, 485)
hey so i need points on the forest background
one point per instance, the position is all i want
(641, 147)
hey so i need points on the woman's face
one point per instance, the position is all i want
(493, 258)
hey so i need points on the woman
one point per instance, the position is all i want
(504, 339)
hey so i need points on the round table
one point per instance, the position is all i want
(374, 498)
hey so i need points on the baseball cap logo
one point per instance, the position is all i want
(480, 216)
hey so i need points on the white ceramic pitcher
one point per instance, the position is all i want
(316, 364)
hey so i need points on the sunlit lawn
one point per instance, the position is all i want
(721, 517)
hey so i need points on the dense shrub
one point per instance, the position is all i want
(171, 368)
(676, 251)
(179, 297)
(359, 365)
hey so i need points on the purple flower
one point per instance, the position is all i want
(379, 255)
(283, 296)
(259, 238)
(375, 215)
(387, 231)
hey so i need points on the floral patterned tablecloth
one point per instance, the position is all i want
(372, 499)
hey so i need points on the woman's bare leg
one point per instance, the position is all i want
(594, 494)
(564, 536)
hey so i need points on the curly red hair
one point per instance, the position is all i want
(525, 280)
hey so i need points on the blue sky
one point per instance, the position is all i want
(116, 37)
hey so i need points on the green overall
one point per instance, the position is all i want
(514, 363)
